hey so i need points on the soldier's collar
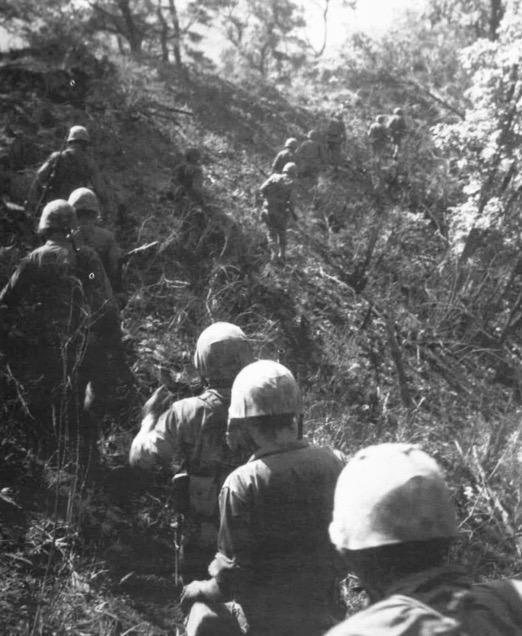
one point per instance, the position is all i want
(276, 450)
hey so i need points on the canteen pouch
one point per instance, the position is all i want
(203, 495)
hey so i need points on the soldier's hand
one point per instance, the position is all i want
(158, 402)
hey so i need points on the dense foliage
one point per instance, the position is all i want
(399, 310)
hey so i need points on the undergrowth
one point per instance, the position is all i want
(369, 313)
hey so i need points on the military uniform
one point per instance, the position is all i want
(102, 241)
(279, 206)
(439, 601)
(378, 135)
(335, 138)
(56, 305)
(63, 172)
(273, 555)
(282, 158)
(310, 157)
(190, 436)
(396, 129)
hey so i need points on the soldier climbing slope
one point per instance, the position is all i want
(397, 130)
(311, 157)
(66, 170)
(190, 435)
(394, 521)
(277, 191)
(59, 314)
(378, 135)
(335, 138)
(287, 155)
(273, 556)
(102, 241)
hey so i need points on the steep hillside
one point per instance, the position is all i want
(363, 313)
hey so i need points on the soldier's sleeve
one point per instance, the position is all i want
(264, 186)
(232, 565)
(156, 446)
(42, 176)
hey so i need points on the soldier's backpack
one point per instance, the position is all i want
(275, 189)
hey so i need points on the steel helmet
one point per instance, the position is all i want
(313, 134)
(291, 142)
(290, 169)
(264, 387)
(222, 350)
(57, 215)
(84, 199)
(391, 493)
(398, 111)
(78, 133)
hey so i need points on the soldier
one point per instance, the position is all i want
(273, 555)
(56, 306)
(287, 155)
(378, 135)
(279, 205)
(397, 130)
(189, 175)
(64, 171)
(335, 138)
(394, 521)
(190, 434)
(310, 155)
(102, 241)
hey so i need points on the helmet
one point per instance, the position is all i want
(264, 387)
(78, 133)
(290, 169)
(313, 134)
(380, 119)
(84, 199)
(57, 215)
(222, 350)
(291, 142)
(398, 111)
(192, 154)
(391, 493)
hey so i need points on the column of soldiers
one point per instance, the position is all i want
(382, 132)
(290, 519)
(258, 498)
(59, 313)
(308, 159)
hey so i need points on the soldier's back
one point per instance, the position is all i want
(72, 169)
(283, 157)
(490, 609)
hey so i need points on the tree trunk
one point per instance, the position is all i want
(164, 33)
(133, 35)
(495, 16)
(176, 46)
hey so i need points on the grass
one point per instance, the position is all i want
(349, 310)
